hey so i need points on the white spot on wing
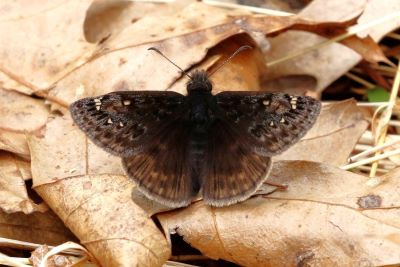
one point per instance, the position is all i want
(293, 102)
(97, 102)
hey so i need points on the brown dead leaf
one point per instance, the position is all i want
(330, 62)
(14, 142)
(107, 18)
(47, 41)
(333, 137)
(80, 157)
(367, 48)
(243, 72)
(19, 114)
(87, 187)
(37, 227)
(87, 191)
(123, 62)
(292, 84)
(11, 84)
(318, 221)
(13, 192)
(59, 50)
(377, 9)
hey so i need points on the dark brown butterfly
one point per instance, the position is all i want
(174, 146)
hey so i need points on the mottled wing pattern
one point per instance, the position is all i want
(273, 121)
(233, 170)
(123, 123)
(162, 171)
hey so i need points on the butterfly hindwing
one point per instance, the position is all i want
(123, 123)
(233, 171)
(163, 171)
(273, 121)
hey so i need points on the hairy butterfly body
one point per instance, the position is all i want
(175, 146)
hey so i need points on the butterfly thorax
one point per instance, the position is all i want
(200, 102)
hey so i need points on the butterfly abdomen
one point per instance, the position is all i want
(197, 148)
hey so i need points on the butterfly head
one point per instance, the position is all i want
(199, 81)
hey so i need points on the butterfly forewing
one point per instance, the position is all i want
(272, 121)
(233, 170)
(124, 123)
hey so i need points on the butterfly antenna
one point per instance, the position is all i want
(240, 49)
(159, 52)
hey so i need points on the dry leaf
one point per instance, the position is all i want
(87, 192)
(333, 137)
(330, 62)
(124, 63)
(376, 9)
(37, 227)
(42, 64)
(292, 84)
(19, 114)
(13, 192)
(47, 42)
(75, 157)
(58, 49)
(367, 48)
(9, 83)
(14, 142)
(327, 217)
(107, 18)
(242, 73)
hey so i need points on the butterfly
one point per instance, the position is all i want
(174, 146)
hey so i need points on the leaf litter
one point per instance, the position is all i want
(319, 215)
(326, 216)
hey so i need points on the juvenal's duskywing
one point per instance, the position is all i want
(174, 146)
